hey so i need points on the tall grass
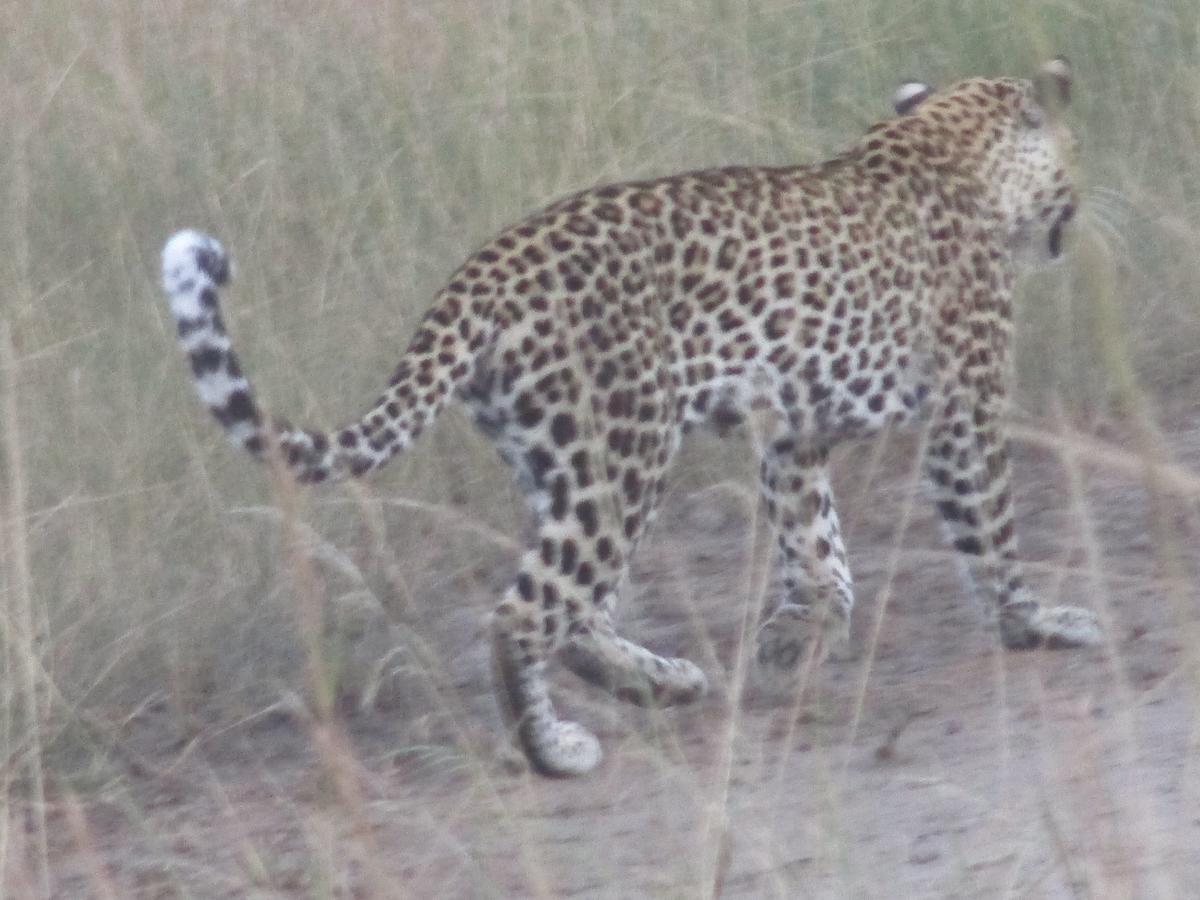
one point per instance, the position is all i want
(350, 154)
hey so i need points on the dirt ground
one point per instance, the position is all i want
(934, 766)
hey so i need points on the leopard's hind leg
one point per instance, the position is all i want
(594, 651)
(813, 615)
(526, 629)
(591, 484)
(565, 590)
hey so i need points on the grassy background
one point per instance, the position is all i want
(350, 154)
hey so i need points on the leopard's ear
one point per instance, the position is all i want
(1052, 84)
(910, 95)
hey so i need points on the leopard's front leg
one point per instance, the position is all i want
(967, 463)
(813, 615)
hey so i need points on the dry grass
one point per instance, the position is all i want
(171, 619)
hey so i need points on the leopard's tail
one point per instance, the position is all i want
(440, 357)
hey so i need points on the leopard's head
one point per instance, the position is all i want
(1010, 137)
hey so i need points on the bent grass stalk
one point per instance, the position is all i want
(24, 639)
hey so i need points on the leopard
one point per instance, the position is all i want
(870, 291)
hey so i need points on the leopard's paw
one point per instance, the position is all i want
(1062, 627)
(791, 642)
(1055, 627)
(678, 681)
(559, 749)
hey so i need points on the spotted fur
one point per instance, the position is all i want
(874, 289)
